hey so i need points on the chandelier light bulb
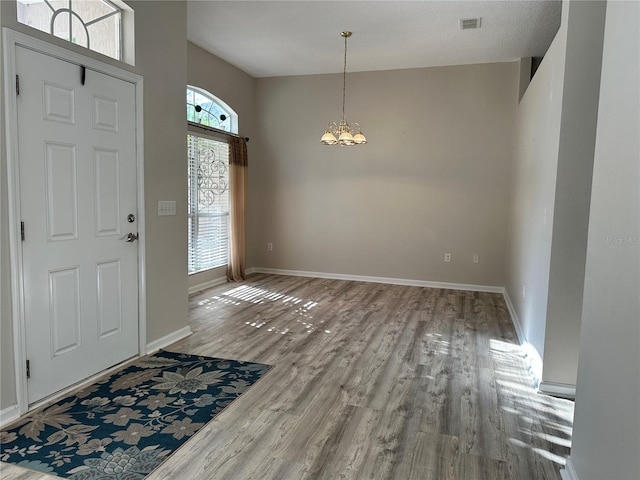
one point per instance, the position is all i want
(328, 138)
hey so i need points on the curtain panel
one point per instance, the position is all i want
(238, 165)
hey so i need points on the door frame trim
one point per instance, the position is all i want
(12, 40)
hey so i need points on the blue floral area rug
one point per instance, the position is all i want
(124, 426)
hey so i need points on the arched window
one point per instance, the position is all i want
(94, 24)
(206, 109)
(208, 180)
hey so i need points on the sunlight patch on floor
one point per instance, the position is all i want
(243, 294)
(442, 346)
(534, 411)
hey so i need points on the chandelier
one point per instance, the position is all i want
(343, 133)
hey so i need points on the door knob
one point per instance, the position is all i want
(131, 237)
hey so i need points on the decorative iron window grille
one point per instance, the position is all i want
(208, 205)
(94, 24)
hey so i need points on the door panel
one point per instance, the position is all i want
(64, 310)
(61, 201)
(109, 299)
(77, 161)
(105, 114)
(107, 192)
(59, 104)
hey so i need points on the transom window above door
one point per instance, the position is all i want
(94, 24)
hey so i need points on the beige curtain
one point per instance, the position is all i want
(237, 208)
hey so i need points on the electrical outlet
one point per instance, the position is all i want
(447, 258)
(270, 246)
(524, 290)
(476, 258)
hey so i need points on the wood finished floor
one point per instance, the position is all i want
(370, 381)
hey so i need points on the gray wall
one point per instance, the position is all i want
(236, 89)
(161, 57)
(551, 186)
(160, 41)
(434, 177)
(533, 192)
(585, 29)
(606, 432)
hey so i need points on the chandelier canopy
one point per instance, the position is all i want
(343, 133)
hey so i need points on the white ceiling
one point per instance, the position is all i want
(280, 38)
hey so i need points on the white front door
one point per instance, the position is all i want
(77, 168)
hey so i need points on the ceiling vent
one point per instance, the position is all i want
(470, 23)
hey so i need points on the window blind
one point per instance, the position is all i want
(208, 203)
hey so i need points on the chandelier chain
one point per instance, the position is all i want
(344, 76)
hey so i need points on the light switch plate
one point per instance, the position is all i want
(166, 207)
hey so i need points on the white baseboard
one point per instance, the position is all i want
(563, 390)
(534, 363)
(569, 471)
(156, 345)
(388, 280)
(514, 318)
(204, 285)
(531, 355)
(8, 415)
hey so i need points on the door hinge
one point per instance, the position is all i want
(28, 369)
(17, 84)
(22, 231)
